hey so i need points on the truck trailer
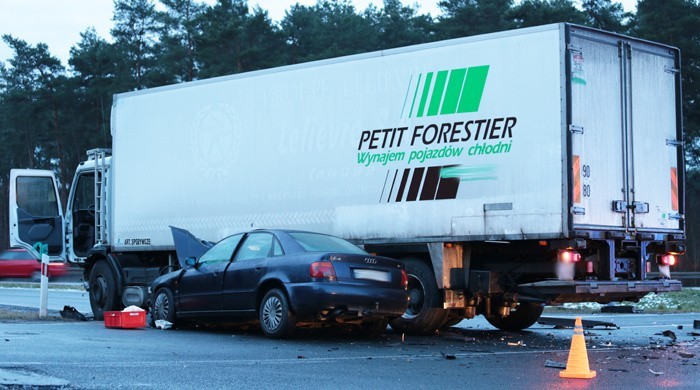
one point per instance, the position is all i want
(508, 171)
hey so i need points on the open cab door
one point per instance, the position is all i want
(36, 215)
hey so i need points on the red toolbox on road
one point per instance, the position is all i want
(125, 319)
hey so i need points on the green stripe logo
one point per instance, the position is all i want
(445, 92)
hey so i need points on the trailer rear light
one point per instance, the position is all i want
(404, 279)
(667, 259)
(322, 270)
(568, 256)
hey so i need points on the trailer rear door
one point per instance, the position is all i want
(626, 155)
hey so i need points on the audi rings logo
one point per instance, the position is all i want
(370, 260)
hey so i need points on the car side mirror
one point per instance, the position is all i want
(191, 261)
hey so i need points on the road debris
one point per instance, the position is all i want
(694, 334)
(696, 324)
(448, 356)
(618, 309)
(457, 337)
(562, 323)
(163, 324)
(301, 357)
(618, 370)
(70, 313)
(669, 334)
(554, 364)
(659, 373)
(685, 355)
(518, 344)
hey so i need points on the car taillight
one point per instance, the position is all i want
(568, 256)
(322, 270)
(667, 259)
(404, 279)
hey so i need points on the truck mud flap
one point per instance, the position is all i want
(555, 291)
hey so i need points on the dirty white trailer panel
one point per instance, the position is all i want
(526, 134)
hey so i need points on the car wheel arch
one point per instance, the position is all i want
(266, 286)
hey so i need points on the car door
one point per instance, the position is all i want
(36, 215)
(247, 269)
(200, 286)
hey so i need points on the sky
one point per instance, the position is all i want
(58, 23)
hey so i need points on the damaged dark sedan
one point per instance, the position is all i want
(281, 278)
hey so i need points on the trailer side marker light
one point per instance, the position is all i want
(577, 178)
(674, 189)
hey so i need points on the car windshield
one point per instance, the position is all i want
(313, 242)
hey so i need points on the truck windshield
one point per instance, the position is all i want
(313, 242)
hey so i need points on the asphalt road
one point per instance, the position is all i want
(87, 355)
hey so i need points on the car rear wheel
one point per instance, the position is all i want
(163, 306)
(424, 314)
(276, 318)
(522, 317)
(103, 290)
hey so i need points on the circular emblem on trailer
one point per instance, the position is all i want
(216, 139)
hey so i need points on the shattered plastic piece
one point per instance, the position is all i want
(618, 369)
(518, 344)
(618, 309)
(132, 308)
(561, 323)
(448, 357)
(694, 334)
(69, 312)
(686, 355)
(301, 357)
(670, 334)
(696, 324)
(680, 326)
(655, 372)
(554, 364)
(163, 324)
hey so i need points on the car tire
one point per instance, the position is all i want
(522, 317)
(424, 314)
(36, 276)
(276, 318)
(163, 306)
(103, 290)
(373, 329)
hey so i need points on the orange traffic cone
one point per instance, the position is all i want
(577, 365)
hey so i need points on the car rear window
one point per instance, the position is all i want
(313, 242)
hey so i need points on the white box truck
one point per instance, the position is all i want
(508, 170)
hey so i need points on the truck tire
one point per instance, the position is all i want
(424, 314)
(163, 307)
(103, 290)
(522, 317)
(452, 320)
(276, 318)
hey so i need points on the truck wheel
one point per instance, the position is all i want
(276, 319)
(163, 307)
(522, 317)
(452, 320)
(424, 314)
(103, 290)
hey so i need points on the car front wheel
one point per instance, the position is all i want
(276, 318)
(163, 306)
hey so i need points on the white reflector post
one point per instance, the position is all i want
(44, 295)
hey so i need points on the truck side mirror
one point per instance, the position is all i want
(191, 261)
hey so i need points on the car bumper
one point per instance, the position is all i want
(331, 299)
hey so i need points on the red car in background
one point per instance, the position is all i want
(18, 263)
